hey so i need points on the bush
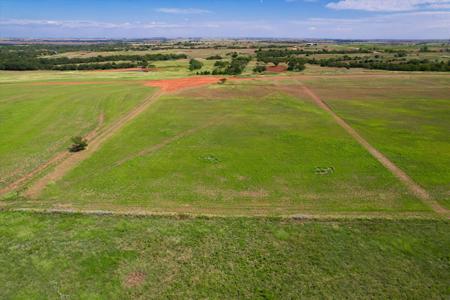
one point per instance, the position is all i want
(214, 57)
(78, 144)
(222, 80)
(296, 64)
(259, 68)
(195, 65)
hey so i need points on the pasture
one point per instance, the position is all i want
(113, 257)
(240, 148)
(264, 194)
(37, 120)
(407, 118)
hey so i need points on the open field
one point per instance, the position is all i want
(407, 120)
(271, 185)
(106, 257)
(37, 120)
(231, 149)
(253, 147)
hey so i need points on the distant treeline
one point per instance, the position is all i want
(390, 65)
(399, 63)
(30, 59)
(235, 66)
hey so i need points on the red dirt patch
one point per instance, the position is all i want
(171, 85)
(134, 279)
(276, 69)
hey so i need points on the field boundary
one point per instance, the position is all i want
(183, 215)
(412, 186)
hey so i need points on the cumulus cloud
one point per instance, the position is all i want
(387, 5)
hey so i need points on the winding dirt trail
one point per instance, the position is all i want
(65, 161)
(72, 159)
(53, 160)
(412, 186)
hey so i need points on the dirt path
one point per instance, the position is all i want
(154, 148)
(53, 160)
(96, 141)
(65, 161)
(399, 173)
(168, 141)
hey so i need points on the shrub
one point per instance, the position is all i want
(195, 65)
(259, 68)
(78, 144)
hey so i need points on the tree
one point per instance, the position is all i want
(78, 144)
(296, 64)
(259, 68)
(195, 65)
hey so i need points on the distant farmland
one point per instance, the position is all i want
(248, 176)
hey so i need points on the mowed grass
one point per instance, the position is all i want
(112, 257)
(37, 120)
(408, 120)
(233, 149)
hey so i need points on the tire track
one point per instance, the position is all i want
(71, 160)
(53, 160)
(412, 186)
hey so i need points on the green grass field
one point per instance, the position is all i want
(245, 148)
(223, 150)
(105, 257)
(37, 121)
(407, 120)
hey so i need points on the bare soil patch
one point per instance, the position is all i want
(134, 279)
(276, 69)
(172, 85)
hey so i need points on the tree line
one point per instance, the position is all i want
(31, 60)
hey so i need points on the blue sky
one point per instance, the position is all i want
(354, 19)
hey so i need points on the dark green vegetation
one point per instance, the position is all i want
(380, 64)
(78, 144)
(92, 257)
(392, 59)
(407, 119)
(405, 56)
(24, 58)
(195, 65)
(235, 148)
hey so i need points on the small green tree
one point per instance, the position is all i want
(259, 68)
(78, 144)
(195, 65)
(296, 64)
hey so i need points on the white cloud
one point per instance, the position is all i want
(183, 11)
(387, 5)
(440, 6)
(431, 24)
(402, 25)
